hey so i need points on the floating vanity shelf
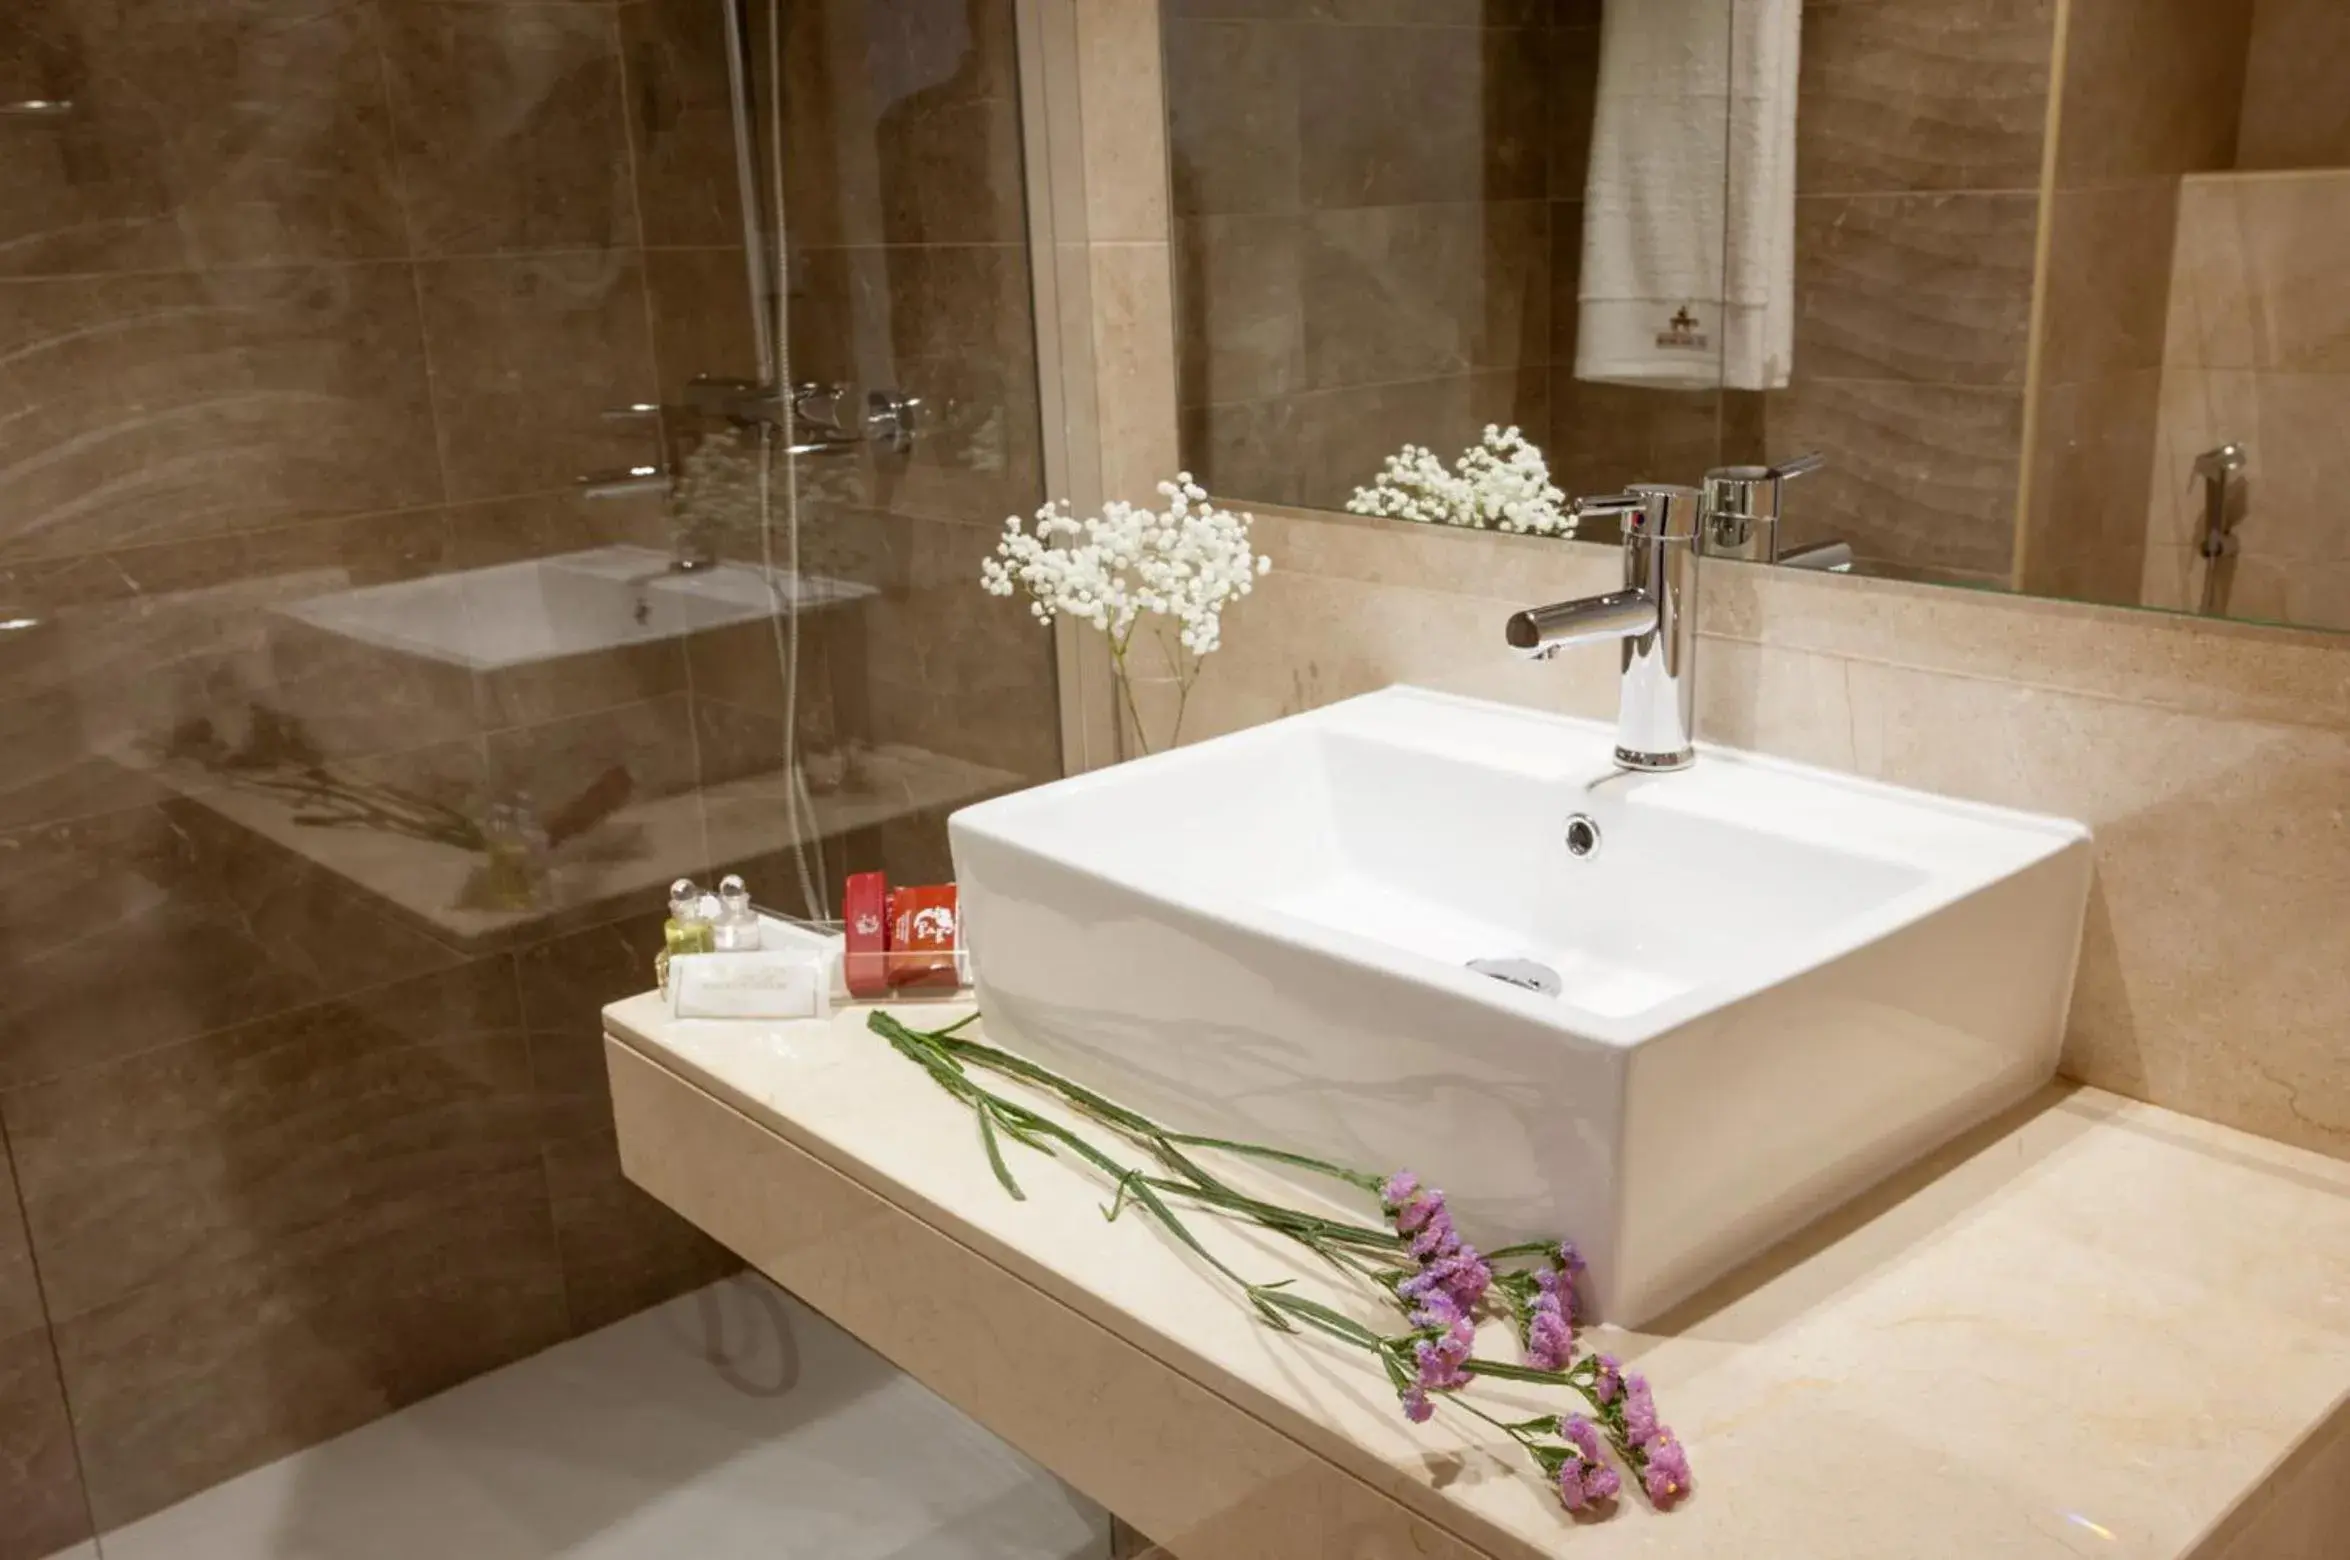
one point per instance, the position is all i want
(2089, 1327)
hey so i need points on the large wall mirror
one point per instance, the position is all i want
(2059, 292)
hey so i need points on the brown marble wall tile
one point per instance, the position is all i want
(224, 1367)
(1412, 292)
(1234, 138)
(2296, 114)
(228, 133)
(510, 126)
(620, 1250)
(1923, 95)
(259, 1238)
(918, 101)
(20, 1287)
(1240, 306)
(2092, 474)
(2151, 88)
(162, 408)
(702, 318)
(2108, 304)
(221, 928)
(46, 1511)
(682, 123)
(1574, 103)
(1605, 437)
(954, 670)
(1917, 474)
(527, 356)
(218, 1150)
(1248, 450)
(953, 325)
(1930, 288)
(1411, 115)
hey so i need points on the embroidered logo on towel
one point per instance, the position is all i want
(1681, 333)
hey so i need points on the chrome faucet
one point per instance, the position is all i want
(1654, 615)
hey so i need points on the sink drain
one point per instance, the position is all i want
(1524, 974)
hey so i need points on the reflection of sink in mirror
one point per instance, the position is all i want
(1777, 985)
(514, 614)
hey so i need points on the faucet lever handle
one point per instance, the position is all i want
(1798, 466)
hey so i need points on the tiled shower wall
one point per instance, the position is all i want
(312, 294)
(1919, 131)
(2152, 91)
(2258, 354)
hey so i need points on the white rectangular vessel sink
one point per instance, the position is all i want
(542, 609)
(1774, 985)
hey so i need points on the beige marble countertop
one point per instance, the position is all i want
(2089, 1328)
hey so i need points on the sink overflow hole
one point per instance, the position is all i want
(1522, 973)
(1582, 835)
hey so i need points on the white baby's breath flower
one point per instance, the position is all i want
(1181, 565)
(1501, 483)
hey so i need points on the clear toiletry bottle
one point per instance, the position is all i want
(736, 929)
(687, 930)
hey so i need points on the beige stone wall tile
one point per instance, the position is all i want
(2228, 670)
(2213, 973)
(1122, 98)
(1134, 356)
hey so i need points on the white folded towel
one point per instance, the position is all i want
(1696, 114)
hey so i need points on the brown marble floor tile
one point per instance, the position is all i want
(1929, 288)
(42, 1508)
(1923, 95)
(510, 126)
(145, 409)
(527, 356)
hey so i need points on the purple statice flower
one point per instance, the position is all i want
(1400, 1189)
(1550, 1319)
(1640, 1421)
(1440, 1365)
(1550, 1342)
(1416, 1406)
(1460, 1274)
(1583, 1436)
(1608, 1378)
(1584, 1476)
(1665, 1469)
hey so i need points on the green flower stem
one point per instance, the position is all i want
(1376, 1256)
